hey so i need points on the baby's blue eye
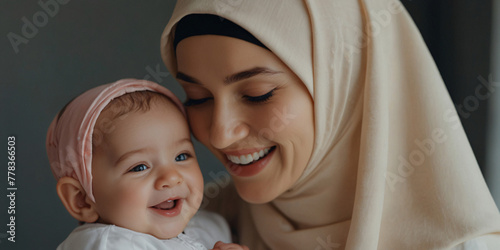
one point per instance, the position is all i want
(139, 168)
(181, 157)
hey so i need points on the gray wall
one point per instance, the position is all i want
(85, 44)
(458, 35)
(493, 142)
(88, 43)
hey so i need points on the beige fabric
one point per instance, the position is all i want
(392, 167)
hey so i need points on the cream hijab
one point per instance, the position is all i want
(392, 167)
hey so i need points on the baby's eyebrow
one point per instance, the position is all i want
(128, 154)
(184, 140)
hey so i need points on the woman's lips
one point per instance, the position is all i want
(254, 167)
(169, 208)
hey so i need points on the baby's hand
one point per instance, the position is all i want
(228, 246)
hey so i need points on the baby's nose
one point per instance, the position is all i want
(168, 178)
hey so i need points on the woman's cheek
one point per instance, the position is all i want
(272, 120)
(198, 123)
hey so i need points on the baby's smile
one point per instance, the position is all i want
(170, 208)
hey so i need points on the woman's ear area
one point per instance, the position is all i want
(76, 201)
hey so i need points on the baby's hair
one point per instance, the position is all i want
(135, 101)
(139, 101)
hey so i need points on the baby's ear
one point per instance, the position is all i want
(76, 201)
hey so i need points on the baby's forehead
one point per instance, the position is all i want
(137, 103)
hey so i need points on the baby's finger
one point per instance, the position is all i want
(228, 246)
(218, 244)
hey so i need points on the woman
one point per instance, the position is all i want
(334, 123)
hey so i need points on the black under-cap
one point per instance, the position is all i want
(208, 24)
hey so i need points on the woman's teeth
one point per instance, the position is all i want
(246, 159)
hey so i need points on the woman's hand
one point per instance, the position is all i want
(219, 245)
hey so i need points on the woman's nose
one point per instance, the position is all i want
(168, 178)
(228, 125)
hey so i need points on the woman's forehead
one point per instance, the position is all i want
(211, 54)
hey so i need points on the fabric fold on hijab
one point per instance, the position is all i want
(69, 137)
(391, 166)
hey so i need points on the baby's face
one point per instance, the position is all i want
(145, 174)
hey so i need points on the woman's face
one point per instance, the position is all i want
(250, 110)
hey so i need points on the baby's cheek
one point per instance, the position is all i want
(127, 200)
(195, 180)
(132, 195)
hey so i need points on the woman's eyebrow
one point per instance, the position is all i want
(187, 78)
(234, 77)
(249, 73)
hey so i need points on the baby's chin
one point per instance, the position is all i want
(167, 232)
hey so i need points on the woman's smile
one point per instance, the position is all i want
(247, 156)
(247, 165)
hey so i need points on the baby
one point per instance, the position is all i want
(126, 169)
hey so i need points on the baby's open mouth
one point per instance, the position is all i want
(167, 205)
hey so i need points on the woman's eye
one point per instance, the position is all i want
(192, 102)
(262, 98)
(182, 157)
(139, 168)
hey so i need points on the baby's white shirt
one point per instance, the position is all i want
(201, 233)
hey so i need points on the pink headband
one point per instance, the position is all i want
(69, 138)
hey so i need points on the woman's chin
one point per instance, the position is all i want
(253, 195)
